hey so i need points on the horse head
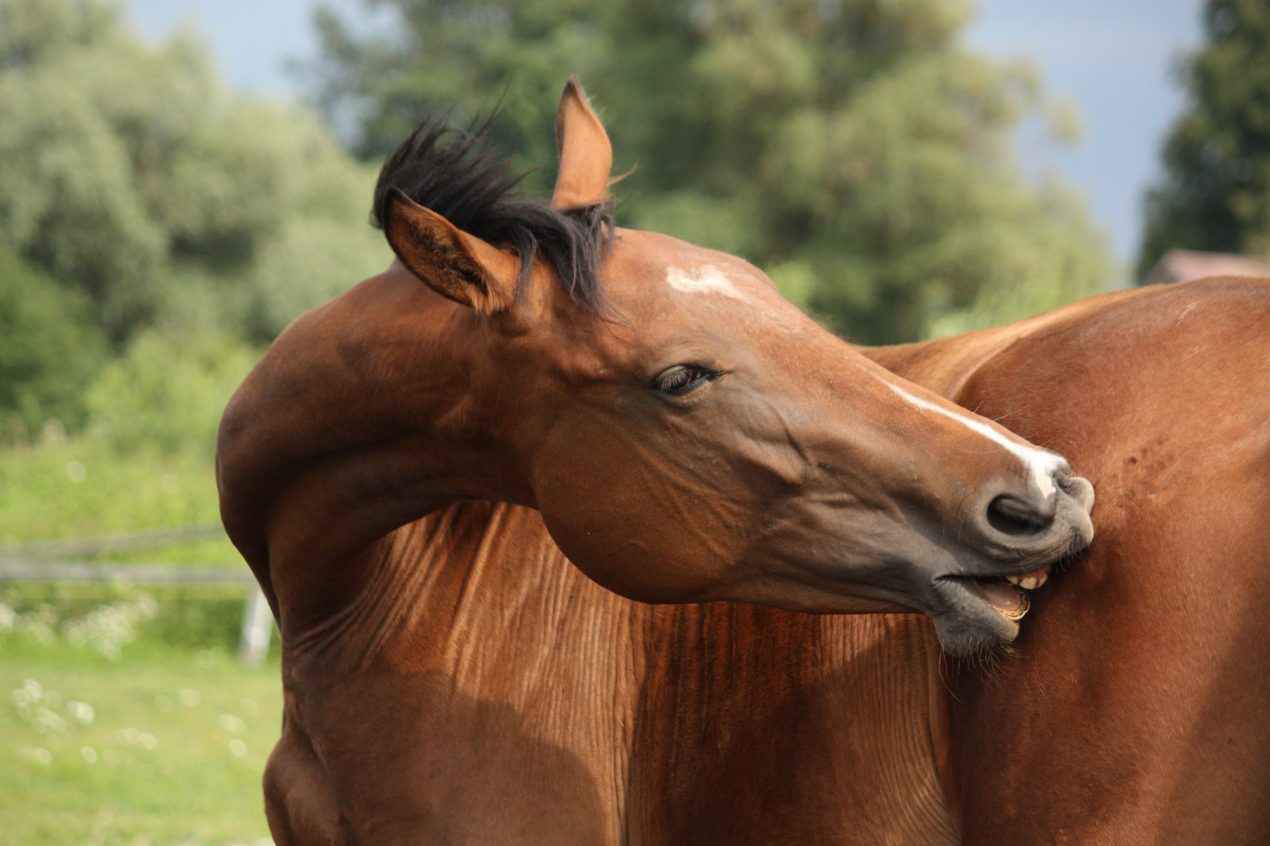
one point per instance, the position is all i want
(687, 434)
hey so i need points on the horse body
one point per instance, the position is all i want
(1137, 707)
(450, 677)
(1134, 709)
(762, 726)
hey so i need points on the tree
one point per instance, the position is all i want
(1215, 192)
(49, 350)
(851, 148)
(131, 175)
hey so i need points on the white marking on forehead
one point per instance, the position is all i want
(705, 279)
(1040, 464)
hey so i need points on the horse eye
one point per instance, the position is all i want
(683, 378)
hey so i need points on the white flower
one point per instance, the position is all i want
(47, 721)
(82, 712)
(231, 723)
(109, 628)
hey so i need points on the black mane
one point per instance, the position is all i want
(455, 174)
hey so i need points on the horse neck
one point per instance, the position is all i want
(748, 711)
(717, 703)
(480, 592)
(473, 624)
(359, 419)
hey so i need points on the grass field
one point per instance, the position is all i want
(161, 746)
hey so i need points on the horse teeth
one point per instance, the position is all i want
(1019, 612)
(1029, 582)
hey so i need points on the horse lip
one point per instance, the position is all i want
(958, 599)
(1007, 572)
(1048, 567)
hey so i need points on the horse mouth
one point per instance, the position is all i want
(1009, 595)
(982, 613)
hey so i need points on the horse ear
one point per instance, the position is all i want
(458, 266)
(586, 156)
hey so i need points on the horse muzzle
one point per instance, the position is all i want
(1015, 539)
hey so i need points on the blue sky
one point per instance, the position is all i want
(1111, 58)
(1114, 59)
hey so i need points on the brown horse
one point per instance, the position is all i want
(1136, 705)
(1138, 710)
(686, 433)
(450, 678)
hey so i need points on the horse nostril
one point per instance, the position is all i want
(1011, 517)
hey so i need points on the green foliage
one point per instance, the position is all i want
(132, 175)
(49, 350)
(179, 386)
(432, 59)
(310, 260)
(1215, 193)
(850, 147)
(1040, 262)
(145, 461)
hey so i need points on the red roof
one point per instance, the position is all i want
(1181, 265)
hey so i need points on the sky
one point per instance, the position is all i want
(1112, 59)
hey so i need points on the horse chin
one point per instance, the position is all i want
(980, 635)
(978, 617)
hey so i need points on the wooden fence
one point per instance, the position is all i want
(65, 561)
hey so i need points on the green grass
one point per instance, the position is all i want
(163, 746)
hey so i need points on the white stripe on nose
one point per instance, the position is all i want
(1041, 465)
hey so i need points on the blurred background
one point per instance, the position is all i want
(180, 179)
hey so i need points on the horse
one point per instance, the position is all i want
(453, 669)
(1139, 711)
(1135, 706)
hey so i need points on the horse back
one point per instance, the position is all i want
(1138, 703)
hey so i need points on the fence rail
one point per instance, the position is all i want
(106, 544)
(17, 570)
(45, 561)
